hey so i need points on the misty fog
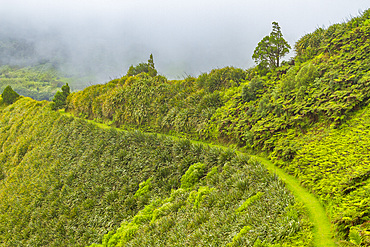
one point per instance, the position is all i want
(103, 38)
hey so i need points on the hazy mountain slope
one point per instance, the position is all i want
(65, 182)
(40, 82)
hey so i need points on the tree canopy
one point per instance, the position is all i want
(61, 97)
(271, 48)
(143, 67)
(9, 95)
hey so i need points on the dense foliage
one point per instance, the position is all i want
(277, 112)
(334, 163)
(40, 83)
(64, 182)
(271, 49)
(153, 103)
(9, 96)
(225, 207)
(60, 98)
(241, 106)
(143, 68)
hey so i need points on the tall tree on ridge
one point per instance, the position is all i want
(60, 98)
(151, 69)
(271, 48)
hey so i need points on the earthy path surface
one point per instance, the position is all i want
(322, 226)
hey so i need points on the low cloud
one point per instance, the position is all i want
(104, 38)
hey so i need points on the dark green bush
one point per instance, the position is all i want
(306, 75)
(9, 96)
(143, 68)
(60, 98)
(253, 90)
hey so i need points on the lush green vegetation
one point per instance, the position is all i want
(65, 182)
(153, 103)
(39, 82)
(322, 231)
(9, 96)
(279, 111)
(334, 163)
(211, 212)
(143, 68)
(60, 98)
(244, 107)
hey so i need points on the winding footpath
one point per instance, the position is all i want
(323, 234)
(322, 227)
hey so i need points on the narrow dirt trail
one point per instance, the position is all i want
(322, 226)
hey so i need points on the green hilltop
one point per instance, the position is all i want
(65, 181)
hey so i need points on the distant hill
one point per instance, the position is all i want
(16, 51)
(38, 82)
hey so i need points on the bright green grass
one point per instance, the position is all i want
(322, 227)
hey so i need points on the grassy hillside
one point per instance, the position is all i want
(334, 163)
(283, 112)
(64, 182)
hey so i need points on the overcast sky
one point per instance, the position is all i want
(185, 37)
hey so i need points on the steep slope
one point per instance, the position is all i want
(322, 234)
(334, 164)
(328, 80)
(278, 112)
(65, 182)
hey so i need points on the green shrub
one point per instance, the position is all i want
(306, 75)
(192, 175)
(196, 197)
(144, 188)
(60, 98)
(249, 201)
(143, 68)
(221, 79)
(251, 91)
(9, 96)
